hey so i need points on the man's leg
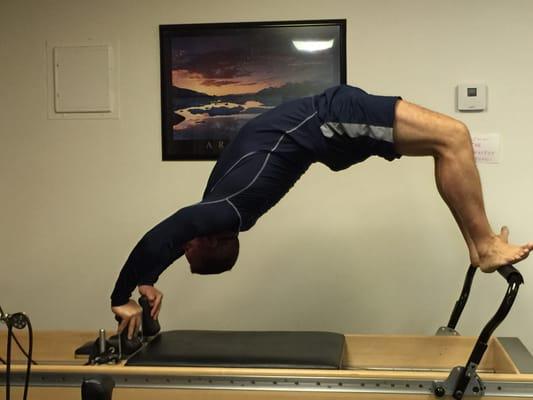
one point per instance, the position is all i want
(421, 132)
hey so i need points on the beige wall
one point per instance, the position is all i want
(370, 249)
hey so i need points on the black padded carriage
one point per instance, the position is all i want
(322, 350)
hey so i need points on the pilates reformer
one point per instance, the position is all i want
(209, 364)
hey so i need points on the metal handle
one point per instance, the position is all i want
(150, 326)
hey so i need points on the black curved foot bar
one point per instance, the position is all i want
(460, 304)
(464, 380)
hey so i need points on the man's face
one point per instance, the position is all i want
(197, 248)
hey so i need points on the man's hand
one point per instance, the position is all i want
(154, 297)
(131, 315)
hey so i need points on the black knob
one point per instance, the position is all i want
(439, 391)
(19, 320)
(97, 388)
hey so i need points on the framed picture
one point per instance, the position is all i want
(216, 77)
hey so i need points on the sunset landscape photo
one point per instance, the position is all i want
(222, 78)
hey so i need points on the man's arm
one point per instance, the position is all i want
(163, 244)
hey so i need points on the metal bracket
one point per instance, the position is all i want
(104, 351)
(446, 331)
(474, 387)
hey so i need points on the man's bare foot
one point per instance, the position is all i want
(498, 252)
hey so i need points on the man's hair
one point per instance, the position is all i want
(216, 259)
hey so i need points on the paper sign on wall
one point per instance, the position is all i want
(487, 148)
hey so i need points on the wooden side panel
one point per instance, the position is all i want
(49, 346)
(421, 352)
(502, 362)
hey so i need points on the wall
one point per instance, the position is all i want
(371, 249)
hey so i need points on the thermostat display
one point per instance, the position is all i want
(471, 92)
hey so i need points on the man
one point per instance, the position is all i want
(339, 128)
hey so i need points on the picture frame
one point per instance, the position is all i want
(216, 77)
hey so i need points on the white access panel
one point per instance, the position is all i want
(82, 79)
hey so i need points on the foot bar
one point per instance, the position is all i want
(460, 304)
(514, 279)
(466, 378)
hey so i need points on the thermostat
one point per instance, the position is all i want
(472, 97)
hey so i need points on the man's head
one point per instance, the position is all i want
(212, 254)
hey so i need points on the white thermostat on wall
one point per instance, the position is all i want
(471, 97)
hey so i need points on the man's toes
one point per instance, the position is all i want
(504, 234)
(523, 255)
